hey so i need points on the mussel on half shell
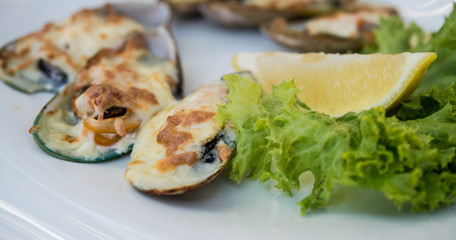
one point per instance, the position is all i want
(50, 58)
(96, 117)
(340, 32)
(182, 148)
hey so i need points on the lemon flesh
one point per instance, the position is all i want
(336, 84)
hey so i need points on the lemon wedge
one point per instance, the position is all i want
(336, 84)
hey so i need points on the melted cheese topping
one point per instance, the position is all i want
(168, 157)
(67, 44)
(344, 24)
(136, 80)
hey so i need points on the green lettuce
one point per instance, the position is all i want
(279, 138)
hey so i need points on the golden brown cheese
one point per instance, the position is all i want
(182, 147)
(171, 138)
(174, 161)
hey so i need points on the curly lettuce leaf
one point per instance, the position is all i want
(279, 138)
(250, 131)
(425, 104)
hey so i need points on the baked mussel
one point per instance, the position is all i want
(96, 117)
(50, 58)
(343, 31)
(182, 148)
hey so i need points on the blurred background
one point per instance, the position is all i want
(205, 48)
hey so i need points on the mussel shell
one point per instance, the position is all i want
(148, 15)
(292, 34)
(240, 15)
(33, 80)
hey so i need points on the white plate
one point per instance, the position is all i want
(43, 197)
